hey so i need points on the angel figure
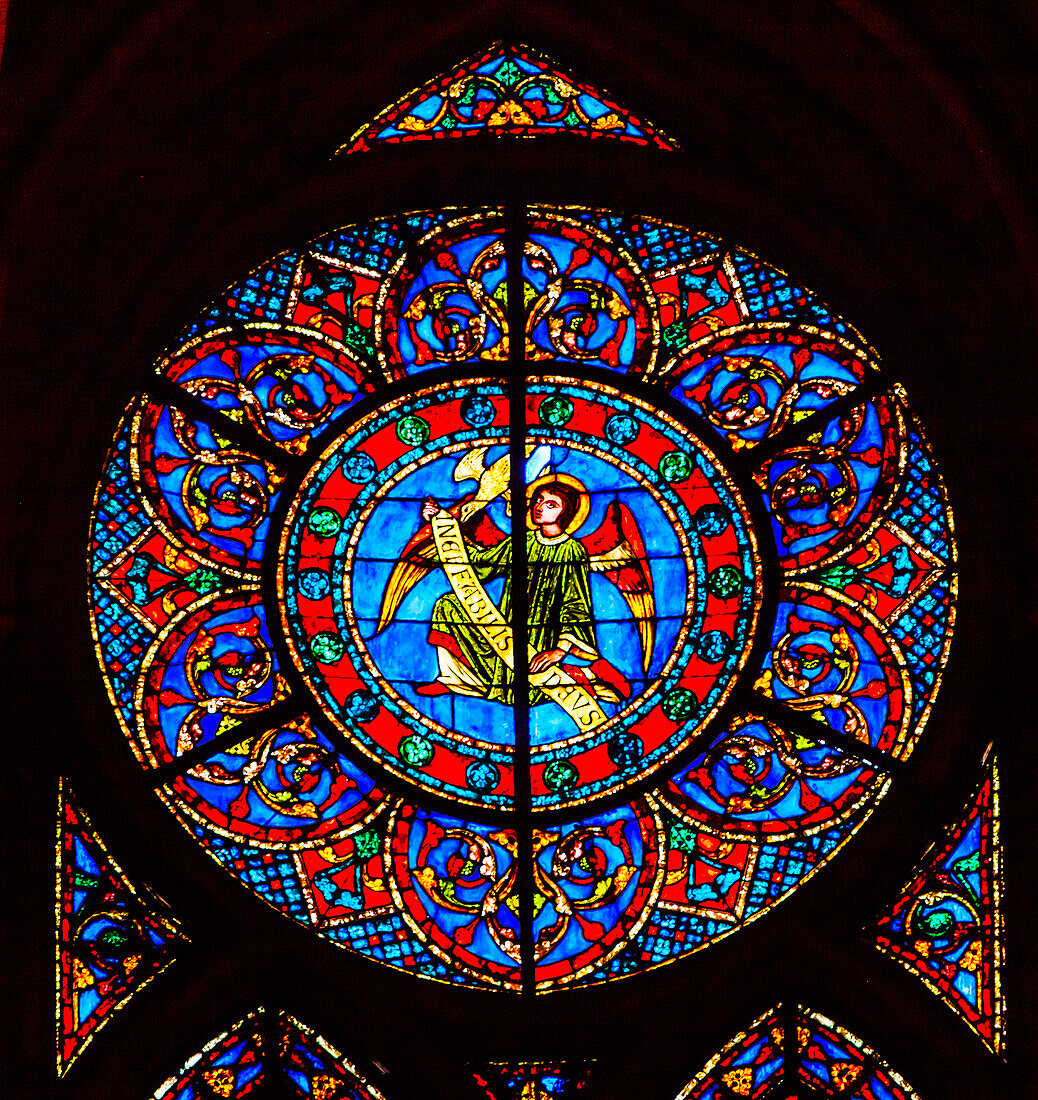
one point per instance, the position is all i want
(472, 634)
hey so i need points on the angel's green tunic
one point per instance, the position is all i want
(559, 592)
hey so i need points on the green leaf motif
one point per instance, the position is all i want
(839, 576)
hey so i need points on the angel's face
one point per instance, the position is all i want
(547, 508)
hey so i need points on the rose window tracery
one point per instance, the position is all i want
(521, 660)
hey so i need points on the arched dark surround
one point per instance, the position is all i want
(878, 154)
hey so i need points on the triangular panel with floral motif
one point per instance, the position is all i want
(113, 936)
(945, 926)
(506, 89)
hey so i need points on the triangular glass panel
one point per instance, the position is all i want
(533, 1080)
(833, 1062)
(242, 1059)
(113, 936)
(506, 89)
(767, 1062)
(315, 1069)
(749, 1065)
(229, 1066)
(946, 925)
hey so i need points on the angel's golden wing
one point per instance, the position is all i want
(407, 572)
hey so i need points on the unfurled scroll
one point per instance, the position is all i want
(555, 682)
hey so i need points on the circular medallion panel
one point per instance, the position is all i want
(638, 586)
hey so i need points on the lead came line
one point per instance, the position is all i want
(250, 725)
(800, 432)
(515, 237)
(803, 723)
(164, 390)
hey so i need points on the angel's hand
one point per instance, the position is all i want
(546, 659)
(429, 509)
